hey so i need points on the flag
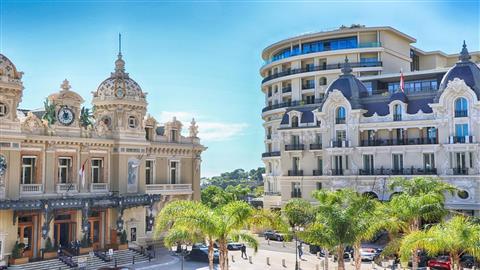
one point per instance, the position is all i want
(81, 172)
(402, 81)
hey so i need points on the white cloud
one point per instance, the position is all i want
(207, 130)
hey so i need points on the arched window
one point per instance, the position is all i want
(461, 107)
(340, 115)
(397, 112)
(294, 121)
(322, 81)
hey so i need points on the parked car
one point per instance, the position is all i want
(368, 254)
(347, 254)
(200, 253)
(273, 235)
(235, 246)
(440, 262)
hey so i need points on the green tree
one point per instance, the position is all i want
(421, 200)
(342, 218)
(214, 196)
(215, 225)
(456, 236)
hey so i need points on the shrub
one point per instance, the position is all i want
(123, 237)
(48, 245)
(17, 251)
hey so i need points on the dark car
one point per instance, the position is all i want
(200, 253)
(234, 246)
(273, 235)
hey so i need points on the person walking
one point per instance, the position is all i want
(300, 250)
(244, 252)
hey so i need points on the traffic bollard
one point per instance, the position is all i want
(268, 260)
(268, 241)
(317, 267)
(283, 243)
(283, 263)
(373, 265)
(250, 259)
(350, 259)
(318, 255)
(233, 259)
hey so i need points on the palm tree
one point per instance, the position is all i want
(216, 225)
(421, 200)
(455, 237)
(341, 219)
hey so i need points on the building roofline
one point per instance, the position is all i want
(334, 32)
(441, 52)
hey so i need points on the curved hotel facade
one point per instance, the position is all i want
(335, 115)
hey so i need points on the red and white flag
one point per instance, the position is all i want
(402, 81)
(81, 172)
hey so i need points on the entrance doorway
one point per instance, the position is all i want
(96, 229)
(27, 234)
(64, 228)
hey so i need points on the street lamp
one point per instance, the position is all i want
(295, 230)
(184, 250)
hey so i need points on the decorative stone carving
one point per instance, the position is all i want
(31, 123)
(101, 129)
(193, 129)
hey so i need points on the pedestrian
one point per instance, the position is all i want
(300, 250)
(244, 252)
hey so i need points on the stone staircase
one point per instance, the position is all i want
(53, 264)
(122, 257)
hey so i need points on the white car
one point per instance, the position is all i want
(368, 254)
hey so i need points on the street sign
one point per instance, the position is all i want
(110, 252)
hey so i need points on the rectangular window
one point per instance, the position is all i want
(397, 160)
(368, 165)
(28, 170)
(428, 161)
(149, 172)
(318, 138)
(64, 168)
(319, 186)
(296, 190)
(295, 139)
(460, 160)
(173, 172)
(341, 135)
(461, 130)
(295, 163)
(96, 171)
(174, 135)
(319, 163)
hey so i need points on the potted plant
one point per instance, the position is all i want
(17, 254)
(85, 245)
(49, 252)
(123, 241)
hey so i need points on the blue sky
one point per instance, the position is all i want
(200, 58)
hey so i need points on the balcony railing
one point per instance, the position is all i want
(339, 121)
(296, 194)
(99, 187)
(272, 193)
(317, 172)
(405, 171)
(67, 188)
(415, 141)
(460, 171)
(397, 117)
(462, 113)
(295, 173)
(294, 147)
(337, 144)
(31, 189)
(309, 85)
(169, 189)
(293, 103)
(319, 68)
(461, 139)
(287, 89)
(271, 154)
(316, 146)
(336, 171)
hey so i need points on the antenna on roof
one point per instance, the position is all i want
(119, 44)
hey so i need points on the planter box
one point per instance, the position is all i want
(19, 260)
(122, 246)
(50, 255)
(85, 250)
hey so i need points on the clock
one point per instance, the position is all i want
(65, 116)
(120, 89)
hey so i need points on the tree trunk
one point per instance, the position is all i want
(415, 226)
(210, 254)
(341, 261)
(326, 258)
(356, 255)
(222, 244)
(456, 261)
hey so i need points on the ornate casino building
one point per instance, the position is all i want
(68, 173)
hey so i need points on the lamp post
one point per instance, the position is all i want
(295, 230)
(184, 251)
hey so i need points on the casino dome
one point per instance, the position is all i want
(351, 87)
(465, 70)
(8, 71)
(119, 86)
